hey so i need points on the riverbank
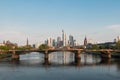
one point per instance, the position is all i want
(4, 56)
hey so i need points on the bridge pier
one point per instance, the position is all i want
(46, 57)
(106, 55)
(77, 57)
(15, 56)
(105, 61)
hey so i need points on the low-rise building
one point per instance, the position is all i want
(1, 44)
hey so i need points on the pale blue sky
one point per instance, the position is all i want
(39, 19)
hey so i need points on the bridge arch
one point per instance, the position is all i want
(49, 52)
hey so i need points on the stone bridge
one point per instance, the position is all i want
(104, 53)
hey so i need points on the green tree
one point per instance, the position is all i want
(95, 46)
(102, 46)
(5, 47)
(117, 45)
(21, 48)
(43, 46)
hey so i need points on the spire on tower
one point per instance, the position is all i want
(85, 41)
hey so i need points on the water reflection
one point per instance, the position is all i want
(62, 59)
(62, 67)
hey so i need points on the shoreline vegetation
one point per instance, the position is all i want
(2, 56)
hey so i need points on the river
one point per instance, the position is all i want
(61, 67)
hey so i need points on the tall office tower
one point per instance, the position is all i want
(118, 38)
(75, 43)
(4, 42)
(115, 40)
(27, 43)
(85, 41)
(46, 42)
(53, 43)
(64, 38)
(71, 41)
(49, 42)
(58, 41)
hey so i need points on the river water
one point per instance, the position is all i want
(61, 67)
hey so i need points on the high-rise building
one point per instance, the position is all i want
(53, 43)
(75, 43)
(27, 43)
(58, 39)
(59, 44)
(37, 45)
(64, 39)
(118, 38)
(71, 41)
(46, 42)
(50, 42)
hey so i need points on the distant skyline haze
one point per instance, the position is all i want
(98, 20)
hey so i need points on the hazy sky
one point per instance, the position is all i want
(99, 20)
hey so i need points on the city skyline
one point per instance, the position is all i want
(39, 19)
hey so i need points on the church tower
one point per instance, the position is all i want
(85, 41)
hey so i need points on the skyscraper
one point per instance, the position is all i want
(27, 43)
(59, 44)
(64, 38)
(50, 42)
(58, 39)
(71, 41)
(118, 38)
(53, 43)
(65, 41)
